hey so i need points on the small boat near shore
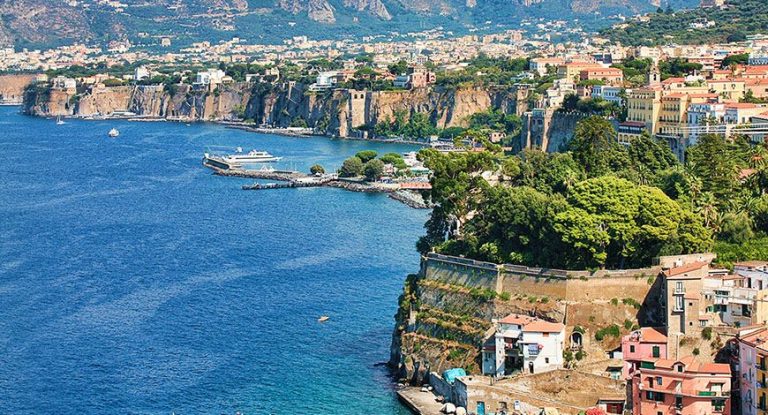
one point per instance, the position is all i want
(114, 133)
(59, 121)
(323, 319)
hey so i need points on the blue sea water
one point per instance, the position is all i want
(133, 281)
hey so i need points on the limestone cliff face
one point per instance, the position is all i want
(374, 7)
(12, 88)
(336, 112)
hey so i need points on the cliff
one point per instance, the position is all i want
(334, 112)
(12, 88)
(445, 311)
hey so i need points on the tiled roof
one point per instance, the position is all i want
(651, 335)
(693, 266)
(542, 326)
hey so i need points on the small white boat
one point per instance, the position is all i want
(323, 319)
(59, 121)
(114, 133)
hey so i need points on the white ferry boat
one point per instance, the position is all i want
(251, 157)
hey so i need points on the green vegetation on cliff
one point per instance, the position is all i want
(600, 204)
(732, 24)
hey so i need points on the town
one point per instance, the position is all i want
(640, 314)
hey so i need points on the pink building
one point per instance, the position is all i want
(681, 387)
(646, 343)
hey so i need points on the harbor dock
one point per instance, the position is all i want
(405, 193)
(420, 403)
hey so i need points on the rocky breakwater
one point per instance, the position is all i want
(336, 112)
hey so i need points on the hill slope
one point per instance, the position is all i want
(41, 23)
(738, 19)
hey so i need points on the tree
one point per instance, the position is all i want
(352, 167)
(373, 170)
(394, 159)
(366, 155)
(317, 169)
(736, 228)
(714, 163)
(595, 148)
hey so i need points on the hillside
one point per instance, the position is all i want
(42, 23)
(733, 23)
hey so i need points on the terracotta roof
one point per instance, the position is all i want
(516, 319)
(693, 266)
(543, 327)
(744, 105)
(651, 335)
(720, 368)
(751, 264)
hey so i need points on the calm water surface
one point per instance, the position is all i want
(132, 280)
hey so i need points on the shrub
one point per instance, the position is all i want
(580, 355)
(579, 329)
(696, 351)
(455, 354)
(544, 300)
(632, 302)
(706, 333)
(628, 324)
(317, 169)
(567, 355)
(611, 331)
(504, 296)
(614, 301)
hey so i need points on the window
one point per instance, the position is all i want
(679, 402)
(656, 351)
(679, 303)
(658, 380)
(631, 348)
(679, 287)
(546, 360)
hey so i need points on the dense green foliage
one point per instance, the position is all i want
(732, 24)
(600, 204)
(352, 167)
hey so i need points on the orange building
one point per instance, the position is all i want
(611, 76)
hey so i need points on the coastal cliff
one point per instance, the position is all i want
(334, 112)
(446, 310)
(12, 88)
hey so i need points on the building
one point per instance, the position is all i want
(729, 89)
(611, 76)
(681, 386)
(712, 3)
(704, 115)
(523, 343)
(609, 93)
(755, 273)
(324, 80)
(64, 83)
(730, 303)
(141, 73)
(541, 65)
(681, 290)
(644, 106)
(645, 343)
(572, 70)
(210, 77)
(753, 362)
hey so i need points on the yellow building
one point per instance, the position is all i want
(643, 106)
(729, 89)
(673, 116)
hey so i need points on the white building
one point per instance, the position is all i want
(325, 80)
(608, 93)
(62, 82)
(728, 300)
(703, 114)
(522, 343)
(210, 77)
(141, 73)
(754, 272)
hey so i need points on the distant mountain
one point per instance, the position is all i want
(732, 23)
(39, 23)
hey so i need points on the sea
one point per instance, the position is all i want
(134, 281)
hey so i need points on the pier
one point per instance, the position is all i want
(420, 403)
(405, 193)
